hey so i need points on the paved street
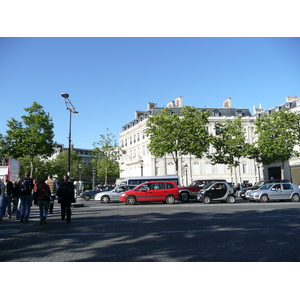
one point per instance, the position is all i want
(156, 232)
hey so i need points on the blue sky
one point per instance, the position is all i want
(108, 78)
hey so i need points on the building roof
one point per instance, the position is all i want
(213, 112)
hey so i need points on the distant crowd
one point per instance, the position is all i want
(17, 197)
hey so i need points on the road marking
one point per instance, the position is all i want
(209, 230)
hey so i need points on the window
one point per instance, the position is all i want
(287, 186)
(216, 113)
(158, 186)
(169, 185)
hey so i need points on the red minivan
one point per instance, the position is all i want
(166, 191)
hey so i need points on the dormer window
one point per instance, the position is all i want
(240, 113)
(216, 113)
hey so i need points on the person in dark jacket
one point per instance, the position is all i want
(43, 196)
(66, 196)
(25, 186)
(6, 192)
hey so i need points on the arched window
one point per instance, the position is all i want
(196, 170)
(170, 168)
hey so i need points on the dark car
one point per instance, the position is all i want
(220, 191)
(91, 194)
(259, 185)
(187, 192)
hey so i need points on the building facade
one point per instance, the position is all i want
(136, 160)
(291, 167)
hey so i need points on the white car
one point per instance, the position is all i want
(113, 195)
(275, 191)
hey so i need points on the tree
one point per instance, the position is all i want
(171, 133)
(32, 137)
(59, 164)
(229, 143)
(278, 133)
(105, 156)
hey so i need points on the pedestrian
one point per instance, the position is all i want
(66, 196)
(6, 192)
(15, 197)
(43, 198)
(25, 186)
(34, 195)
(52, 185)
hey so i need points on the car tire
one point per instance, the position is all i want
(230, 199)
(206, 200)
(170, 199)
(131, 200)
(264, 198)
(86, 197)
(105, 199)
(295, 198)
(184, 197)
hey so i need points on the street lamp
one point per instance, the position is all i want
(72, 110)
(141, 164)
(185, 166)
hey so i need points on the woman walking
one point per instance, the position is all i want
(43, 196)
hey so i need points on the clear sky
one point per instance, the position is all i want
(109, 78)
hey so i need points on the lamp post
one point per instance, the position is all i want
(185, 170)
(72, 110)
(141, 164)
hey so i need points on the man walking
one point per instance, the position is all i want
(52, 186)
(6, 192)
(25, 186)
(66, 196)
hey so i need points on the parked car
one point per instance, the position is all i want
(113, 195)
(221, 191)
(166, 191)
(258, 185)
(91, 194)
(187, 192)
(275, 191)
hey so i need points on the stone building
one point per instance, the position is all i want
(137, 160)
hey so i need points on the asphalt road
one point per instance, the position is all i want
(157, 232)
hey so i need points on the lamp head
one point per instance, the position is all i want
(65, 95)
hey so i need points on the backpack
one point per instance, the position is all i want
(25, 185)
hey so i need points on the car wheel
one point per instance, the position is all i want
(184, 197)
(131, 200)
(105, 199)
(230, 199)
(86, 197)
(170, 199)
(264, 198)
(295, 198)
(206, 200)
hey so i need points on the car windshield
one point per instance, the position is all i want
(209, 185)
(266, 186)
(259, 184)
(198, 183)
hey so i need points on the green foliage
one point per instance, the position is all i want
(59, 165)
(105, 156)
(33, 136)
(278, 133)
(170, 133)
(229, 143)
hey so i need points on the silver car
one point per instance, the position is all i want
(275, 191)
(113, 195)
